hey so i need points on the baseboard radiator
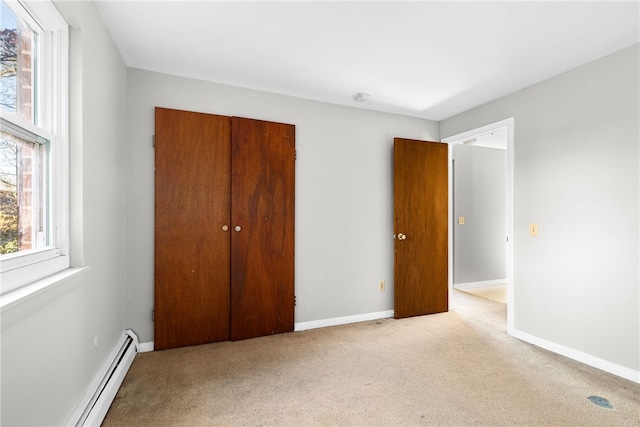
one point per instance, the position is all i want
(94, 407)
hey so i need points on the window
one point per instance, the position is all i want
(33, 143)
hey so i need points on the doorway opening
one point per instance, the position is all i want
(495, 135)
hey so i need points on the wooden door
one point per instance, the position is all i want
(421, 227)
(192, 184)
(262, 246)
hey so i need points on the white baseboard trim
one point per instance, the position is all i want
(481, 284)
(96, 402)
(588, 359)
(145, 347)
(334, 321)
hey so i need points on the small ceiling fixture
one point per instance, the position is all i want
(360, 97)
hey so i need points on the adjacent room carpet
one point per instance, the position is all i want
(452, 369)
(496, 293)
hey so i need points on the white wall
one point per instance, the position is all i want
(344, 224)
(576, 148)
(480, 196)
(48, 354)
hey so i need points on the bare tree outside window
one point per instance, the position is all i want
(8, 196)
(19, 162)
(8, 67)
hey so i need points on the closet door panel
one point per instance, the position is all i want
(192, 204)
(262, 245)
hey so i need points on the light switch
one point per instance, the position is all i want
(533, 230)
(461, 220)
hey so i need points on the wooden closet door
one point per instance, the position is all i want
(262, 211)
(192, 204)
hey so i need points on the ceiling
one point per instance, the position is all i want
(424, 59)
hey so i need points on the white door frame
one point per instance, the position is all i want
(507, 124)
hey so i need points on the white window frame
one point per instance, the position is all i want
(26, 267)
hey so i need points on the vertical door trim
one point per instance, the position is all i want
(472, 133)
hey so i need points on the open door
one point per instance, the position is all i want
(421, 228)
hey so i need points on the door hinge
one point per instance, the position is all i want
(294, 300)
(153, 141)
(295, 155)
(153, 315)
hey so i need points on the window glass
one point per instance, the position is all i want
(23, 208)
(17, 61)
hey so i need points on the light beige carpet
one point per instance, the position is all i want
(453, 369)
(496, 293)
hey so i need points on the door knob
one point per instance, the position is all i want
(238, 228)
(401, 236)
(225, 228)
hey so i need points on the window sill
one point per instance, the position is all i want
(19, 303)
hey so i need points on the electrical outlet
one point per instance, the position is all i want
(461, 220)
(381, 285)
